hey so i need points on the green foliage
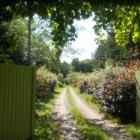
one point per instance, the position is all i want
(119, 98)
(86, 65)
(44, 125)
(61, 77)
(134, 130)
(107, 50)
(82, 66)
(46, 81)
(114, 88)
(75, 63)
(60, 13)
(118, 94)
(100, 56)
(13, 44)
(89, 131)
(89, 82)
(72, 78)
(12, 37)
(125, 22)
(65, 69)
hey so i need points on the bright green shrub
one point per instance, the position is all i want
(60, 80)
(72, 78)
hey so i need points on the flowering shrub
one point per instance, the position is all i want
(119, 94)
(82, 82)
(46, 81)
(90, 82)
(114, 88)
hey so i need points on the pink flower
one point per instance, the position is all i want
(108, 85)
(115, 79)
(126, 64)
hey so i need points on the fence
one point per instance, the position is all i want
(17, 100)
(138, 96)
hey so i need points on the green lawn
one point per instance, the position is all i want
(88, 130)
(45, 129)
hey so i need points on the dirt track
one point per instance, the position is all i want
(63, 118)
(68, 126)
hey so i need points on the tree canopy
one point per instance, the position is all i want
(122, 16)
(62, 13)
(125, 21)
(82, 66)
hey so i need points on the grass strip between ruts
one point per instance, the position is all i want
(88, 130)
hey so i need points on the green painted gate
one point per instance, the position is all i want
(17, 102)
(138, 96)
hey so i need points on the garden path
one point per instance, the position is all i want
(64, 120)
(115, 131)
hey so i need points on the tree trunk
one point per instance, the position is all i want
(29, 39)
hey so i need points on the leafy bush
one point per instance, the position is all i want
(72, 78)
(114, 88)
(119, 94)
(89, 82)
(82, 83)
(60, 77)
(46, 81)
(60, 80)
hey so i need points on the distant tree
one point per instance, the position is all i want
(82, 66)
(86, 65)
(100, 56)
(65, 69)
(107, 49)
(76, 64)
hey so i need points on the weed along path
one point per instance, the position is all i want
(64, 120)
(114, 131)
